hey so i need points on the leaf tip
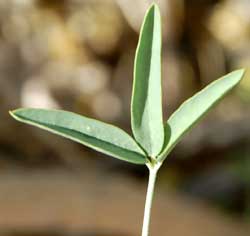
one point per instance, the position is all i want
(239, 74)
(154, 7)
(14, 113)
(242, 72)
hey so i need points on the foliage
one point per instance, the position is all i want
(153, 141)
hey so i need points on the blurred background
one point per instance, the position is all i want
(78, 55)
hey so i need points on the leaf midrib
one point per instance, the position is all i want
(53, 127)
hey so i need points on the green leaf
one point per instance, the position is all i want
(146, 106)
(192, 110)
(102, 137)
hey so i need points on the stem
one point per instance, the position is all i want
(149, 198)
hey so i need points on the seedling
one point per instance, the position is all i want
(152, 140)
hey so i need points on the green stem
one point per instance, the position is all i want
(149, 198)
